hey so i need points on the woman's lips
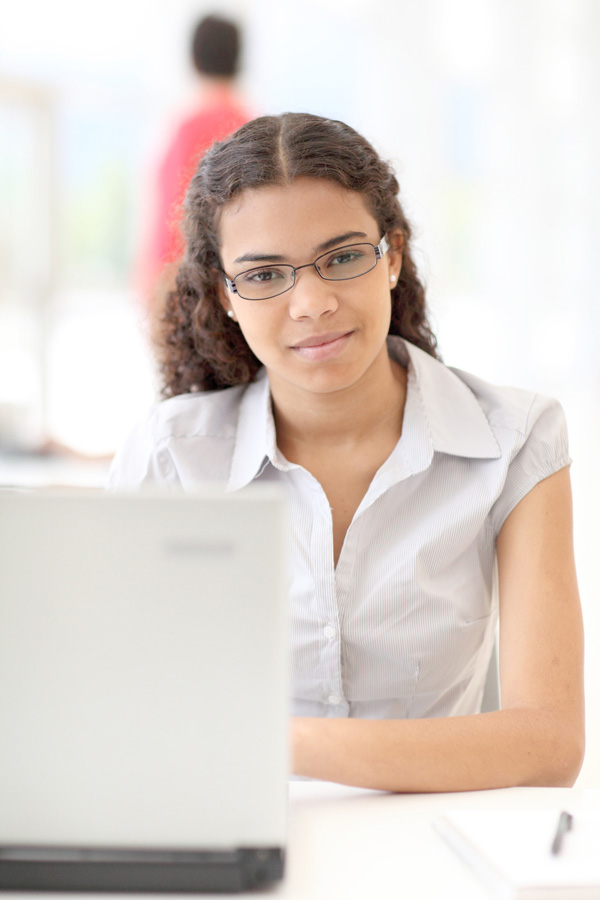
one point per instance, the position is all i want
(322, 346)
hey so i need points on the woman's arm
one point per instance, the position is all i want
(537, 738)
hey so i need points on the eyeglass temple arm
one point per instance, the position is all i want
(382, 248)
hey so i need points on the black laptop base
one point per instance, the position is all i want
(143, 871)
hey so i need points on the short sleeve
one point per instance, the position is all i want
(139, 460)
(539, 452)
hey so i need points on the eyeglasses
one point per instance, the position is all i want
(340, 264)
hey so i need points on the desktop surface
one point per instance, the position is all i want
(350, 844)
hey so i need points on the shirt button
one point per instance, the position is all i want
(333, 700)
(329, 631)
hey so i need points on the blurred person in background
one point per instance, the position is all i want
(221, 110)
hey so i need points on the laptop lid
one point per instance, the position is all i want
(143, 670)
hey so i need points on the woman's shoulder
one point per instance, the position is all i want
(208, 413)
(531, 432)
(455, 399)
(512, 408)
(190, 430)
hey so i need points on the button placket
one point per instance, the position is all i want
(324, 580)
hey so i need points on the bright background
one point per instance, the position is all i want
(489, 110)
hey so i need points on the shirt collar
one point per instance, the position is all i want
(255, 442)
(441, 414)
(452, 417)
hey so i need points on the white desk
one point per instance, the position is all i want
(353, 844)
(347, 843)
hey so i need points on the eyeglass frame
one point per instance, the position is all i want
(380, 250)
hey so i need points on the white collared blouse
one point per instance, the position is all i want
(403, 626)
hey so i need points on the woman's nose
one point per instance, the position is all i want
(312, 296)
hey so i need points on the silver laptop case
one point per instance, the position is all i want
(143, 690)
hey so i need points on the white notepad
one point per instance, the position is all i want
(509, 849)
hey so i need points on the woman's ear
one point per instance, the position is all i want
(395, 240)
(224, 295)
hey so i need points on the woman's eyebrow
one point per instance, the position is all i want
(259, 257)
(340, 239)
(321, 248)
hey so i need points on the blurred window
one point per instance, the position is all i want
(69, 179)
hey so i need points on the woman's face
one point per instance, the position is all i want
(320, 336)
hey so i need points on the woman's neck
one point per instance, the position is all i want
(369, 411)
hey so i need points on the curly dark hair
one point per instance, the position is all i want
(197, 345)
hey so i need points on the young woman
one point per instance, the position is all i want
(296, 349)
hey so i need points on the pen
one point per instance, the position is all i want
(565, 823)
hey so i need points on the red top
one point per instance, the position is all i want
(215, 121)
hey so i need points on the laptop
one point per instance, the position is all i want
(143, 690)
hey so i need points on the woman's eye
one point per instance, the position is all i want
(344, 257)
(262, 276)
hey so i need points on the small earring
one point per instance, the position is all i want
(392, 279)
(231, 315)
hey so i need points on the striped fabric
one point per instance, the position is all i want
(404, 625)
